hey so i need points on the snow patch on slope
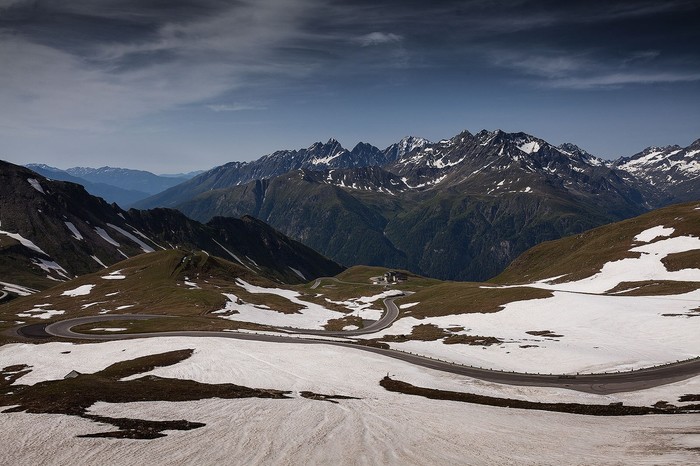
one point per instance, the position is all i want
(142, 245)
(74, 231)
(23, 241)
(105, 236)
(82, 290)
(36, 185)
(653, 233)
(530, 147)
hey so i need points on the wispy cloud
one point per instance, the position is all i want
(616, 80)
(99, 85)
(233, 107)
(378, 38)
(565, 70)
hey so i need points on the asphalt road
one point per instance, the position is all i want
(591, 383)
(387, 318)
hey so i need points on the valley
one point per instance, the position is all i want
(184, 321)
(612, 321)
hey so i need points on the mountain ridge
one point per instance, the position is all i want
(53, 230)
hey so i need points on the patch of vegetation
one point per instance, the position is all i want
(544, 333)
(74, 396)
(339, 324)
(472, 340)
(682, 260)
(449, 298)
(583, 255)
(613, 409)
(329, 398)
(654, 288)
(689, 397)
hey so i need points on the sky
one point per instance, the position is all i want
(179, 85)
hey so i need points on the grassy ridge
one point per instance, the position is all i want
(583, 255)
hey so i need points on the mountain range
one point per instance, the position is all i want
(121, 185)
(461, 208)
(52, 231)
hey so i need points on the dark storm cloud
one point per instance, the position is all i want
(93, 65)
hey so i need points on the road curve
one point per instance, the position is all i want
(591, 383)
(387, 318)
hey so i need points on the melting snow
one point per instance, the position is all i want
(116, 275)
(24, 241)
(311, 316)
(233, 255)
(39, 313)
(144, 246)
(96, 259)
(17, 289)
(105, 236)
(301, 275)
(599, 333)
(82, 290)
(299, 431)
(48, 266)
(35, 184)
(653, 233)
(74, 231)
(105, 329)
(530, 147)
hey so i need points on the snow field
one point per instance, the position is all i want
(647, 267)
(600, 333)
(311, 316)
(381, 427)
(82, 290)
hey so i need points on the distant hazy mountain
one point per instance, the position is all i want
(109, 192)
(136, 180)
(186, 176)
(53, 230)
(120, 185)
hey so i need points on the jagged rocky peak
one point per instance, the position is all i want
(405, 146)
(331, 146)
(571, 148)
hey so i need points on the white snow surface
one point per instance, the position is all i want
(17, 289)
(105, 236)
(297, 272)
(74, 231)
(23, 241)
(36, 185)
(40, 313)
(311, 316)
(530, 147)
(600, 333)
(232, 255)
(48, 266)
(97, 259)
(379, 428)
(82, 290)
(363, 306)
(647, 267)
(144, 247)
(651, 234)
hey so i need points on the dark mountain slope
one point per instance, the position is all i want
(53, 230)
(461, 208)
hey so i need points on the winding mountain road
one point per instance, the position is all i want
(591, 383)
